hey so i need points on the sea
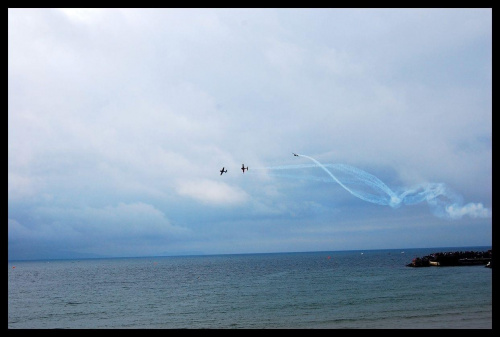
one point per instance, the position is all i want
(359, 289)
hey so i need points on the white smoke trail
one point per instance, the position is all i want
(386, 197)
(443, 202)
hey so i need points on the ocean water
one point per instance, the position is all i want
(315, 290)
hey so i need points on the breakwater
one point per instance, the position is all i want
(457, 258)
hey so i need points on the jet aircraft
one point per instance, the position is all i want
(243, 168)
(296, 155)
(222, 171)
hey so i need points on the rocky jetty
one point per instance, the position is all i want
(458, 258)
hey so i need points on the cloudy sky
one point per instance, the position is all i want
(119, 121)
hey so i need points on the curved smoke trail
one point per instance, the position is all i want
(443, 202)
(386, 197)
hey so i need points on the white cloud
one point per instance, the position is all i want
(20, 186)
(212, 192)
(84, 15)
(339, 63)
(92, 229)
(474, 210)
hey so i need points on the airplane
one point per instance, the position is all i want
(296, 155)
(222, 171)
(243, 168)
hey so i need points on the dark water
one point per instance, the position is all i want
(283, 290)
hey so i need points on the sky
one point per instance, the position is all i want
(120, 120)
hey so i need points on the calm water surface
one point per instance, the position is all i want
(350, 289)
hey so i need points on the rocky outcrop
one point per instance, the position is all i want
(458, 258)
